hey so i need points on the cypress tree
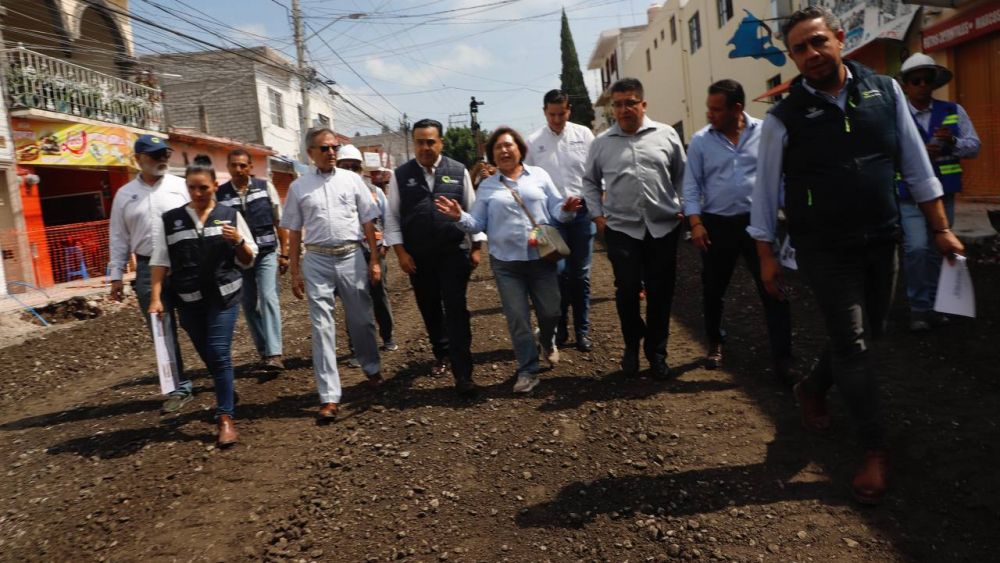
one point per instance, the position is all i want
(572, 78)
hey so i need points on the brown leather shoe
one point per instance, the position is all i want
(227, 431)
(327, 412)
(872, 480)
(814, 414)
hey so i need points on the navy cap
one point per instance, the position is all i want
(150, 143)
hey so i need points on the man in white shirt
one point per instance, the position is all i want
(560, 148)
(135, 212)
(437, 255)
(332, 211)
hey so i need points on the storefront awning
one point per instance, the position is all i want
(779, 89)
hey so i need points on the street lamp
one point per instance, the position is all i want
(354, 16)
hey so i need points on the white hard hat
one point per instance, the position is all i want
(349, 152)
(920, 61)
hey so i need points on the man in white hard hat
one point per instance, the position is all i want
(950, 137)
(349, 158)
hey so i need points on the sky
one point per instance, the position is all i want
(424, 58)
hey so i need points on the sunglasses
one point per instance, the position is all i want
(625, 103)
(918, 80)
(352, 166)
(327, 148)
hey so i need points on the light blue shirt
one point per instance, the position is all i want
(497, 213)
(914, 164)
(719, 176)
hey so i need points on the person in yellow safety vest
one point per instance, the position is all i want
(950, 137)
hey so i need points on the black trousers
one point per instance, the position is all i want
(854, 288)
(650, 262)
(380, 302)
(439, 286)
(730, 241)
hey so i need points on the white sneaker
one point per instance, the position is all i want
(525, 383)
(551, 355)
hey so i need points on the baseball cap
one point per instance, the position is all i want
(150, 143)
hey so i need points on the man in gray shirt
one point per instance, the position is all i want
(631, 185)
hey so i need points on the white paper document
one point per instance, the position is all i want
(954, 293)
(165, 361)
(787, 254)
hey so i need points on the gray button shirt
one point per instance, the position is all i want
(633, 180)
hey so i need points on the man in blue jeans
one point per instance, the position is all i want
(949, 137)
(560, 148)
(135, 215)
(258, 202)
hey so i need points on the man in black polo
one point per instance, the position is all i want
(835, 143)
(436, 254)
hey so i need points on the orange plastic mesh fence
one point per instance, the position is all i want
(57, 254)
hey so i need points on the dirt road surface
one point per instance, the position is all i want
(592, 466)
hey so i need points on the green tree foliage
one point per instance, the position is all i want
(572, 79)
(460, 145)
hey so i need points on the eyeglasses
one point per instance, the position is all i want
(327, 148)
(625, 103)
(918, 80)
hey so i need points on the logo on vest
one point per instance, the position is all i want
(448, 180)
(221, 221)
(814, 112)
(871, 94)
(178, 224)
(411, 182)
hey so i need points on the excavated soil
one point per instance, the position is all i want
(592, 466)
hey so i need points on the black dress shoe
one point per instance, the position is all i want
(562, 336)
(466, 389)
(660, 370)
(584, 344)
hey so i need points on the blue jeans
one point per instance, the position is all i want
(574, 273)
(921, 261)
(517, 281)
(143, 288)
(210, 328)
(260, 305)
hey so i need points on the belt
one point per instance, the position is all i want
(339, 250)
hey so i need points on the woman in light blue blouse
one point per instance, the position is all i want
(519, 271)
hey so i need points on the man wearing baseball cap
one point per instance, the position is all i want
(949, 137)
(135, 212)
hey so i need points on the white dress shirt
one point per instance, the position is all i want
(161, 252)
(392, 230)
(562, 155)
(330, 208)
(136, 213)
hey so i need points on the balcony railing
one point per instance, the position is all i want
(41, 82)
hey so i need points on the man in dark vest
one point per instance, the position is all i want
(258, 201)
(436, 254)
(836, 142)
(949, 136)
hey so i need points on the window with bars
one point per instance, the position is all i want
(725, 11)
(673, 29)
(694, 30)
(277, 107)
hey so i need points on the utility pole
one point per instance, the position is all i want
(405, 126)
(300, 54)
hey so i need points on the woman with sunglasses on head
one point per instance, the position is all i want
(204, 247)
(507, 205)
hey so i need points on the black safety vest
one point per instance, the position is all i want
(839, 166)
(203, 266)
(257, 212)
(425, 230)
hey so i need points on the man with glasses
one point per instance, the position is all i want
(331, 211)
(135, 212)
(949, 136)
(437, 255)
(560, 148)
(631, 183)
